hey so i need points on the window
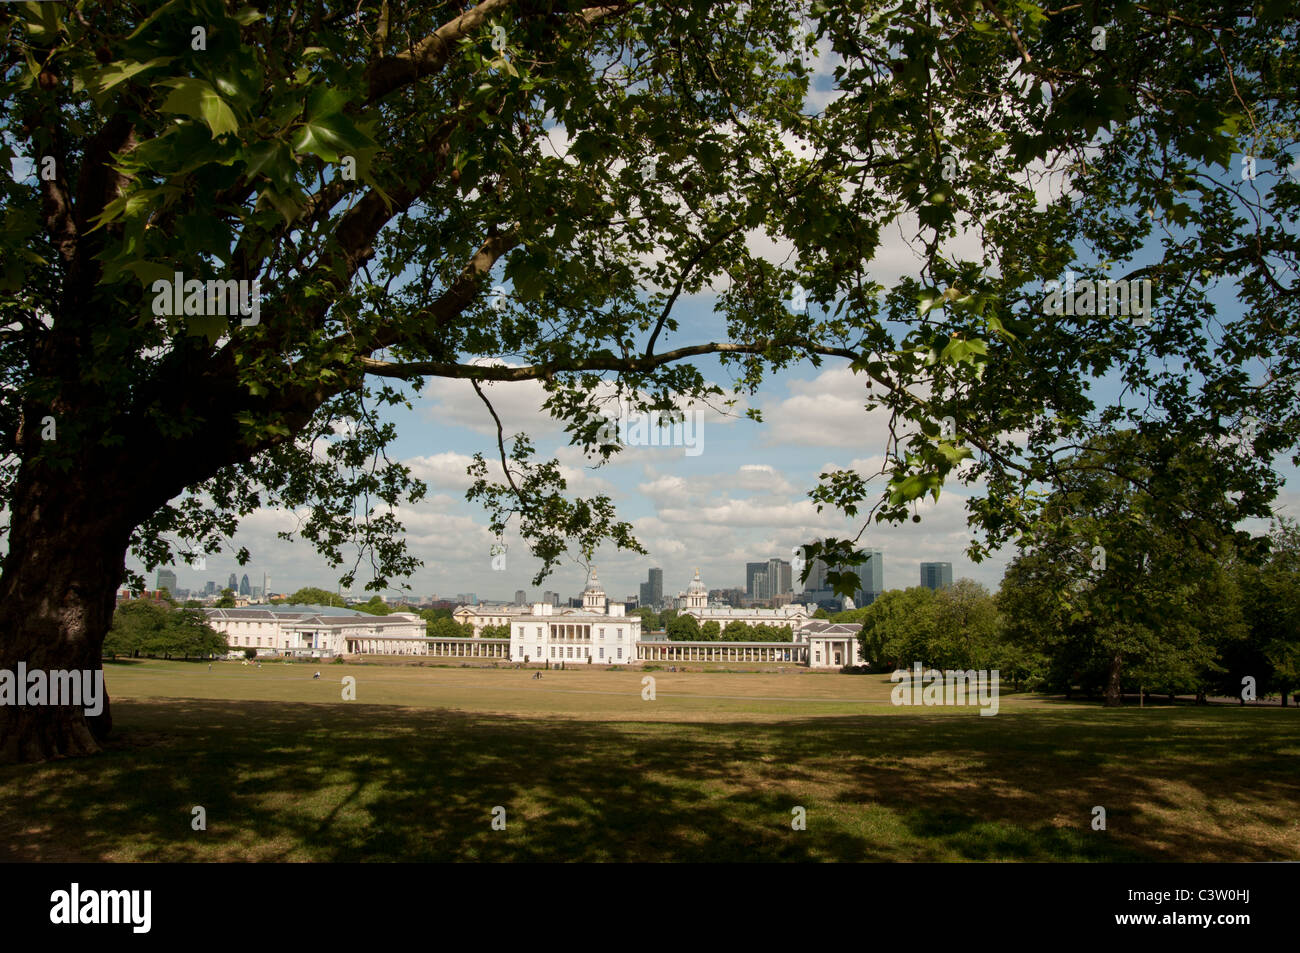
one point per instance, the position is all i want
(552, 651)
(570, 652)
(539, 631)
(619, 633)
(602, 651)
(620, 651)
(602, 633)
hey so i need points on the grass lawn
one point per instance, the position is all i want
(588, 770)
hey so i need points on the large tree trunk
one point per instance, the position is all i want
(1113, 697)
(67, 543)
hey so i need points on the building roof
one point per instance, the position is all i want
(318, 619)
(580, 615)
(816, 627)
(784, 613)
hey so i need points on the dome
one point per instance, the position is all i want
(696, 585)
(593, 584)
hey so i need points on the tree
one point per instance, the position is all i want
(445, 627)
(736, 631)
(495, 632)
(1270, 598)
(683, 628)
(315, 596)
(711, 631)
(895, 627)
(963, 627)
(322, 148)
(649, 619)
(142, 627)
(375, 605)
(1125, 576)
(227, 600)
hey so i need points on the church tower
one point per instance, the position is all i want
(697, 597)
(593, 597)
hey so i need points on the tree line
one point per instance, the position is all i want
(159, 629)
(1171, 623)
(686, 628)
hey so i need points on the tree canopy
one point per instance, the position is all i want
(142, 627)
(512, 191)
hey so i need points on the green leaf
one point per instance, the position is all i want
(197, 98)
(331, 137)
(119, 72)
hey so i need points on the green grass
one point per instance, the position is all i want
(587, 770)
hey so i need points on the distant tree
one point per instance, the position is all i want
(895, 627)
(143, 627)
(768, 633)
(711, 631)
(822, 614)
(849, 615)
(227, 600)
(495, 631)
(962, 627)
(314, 596)
(1124, 580)
(683, 628)
(445, 627)
(650, 621)
(375, 605)
(736, 631)
(1270, 591)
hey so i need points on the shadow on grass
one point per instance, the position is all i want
(349, 782)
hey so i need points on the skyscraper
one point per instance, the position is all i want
(521, 597)
(872, 576)
(209, 588)
(652, 590)
(245, 589)
(751, 571)
(816, 577)
(778, 577)
(233, 584)
(166, 580)
(936, 575)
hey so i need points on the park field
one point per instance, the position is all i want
(585, 768)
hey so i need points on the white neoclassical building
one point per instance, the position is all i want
(320, 635)
(791, 616)
(482, 616)
(599, 633)
(832, 644)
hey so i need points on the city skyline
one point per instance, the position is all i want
(871, 573)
